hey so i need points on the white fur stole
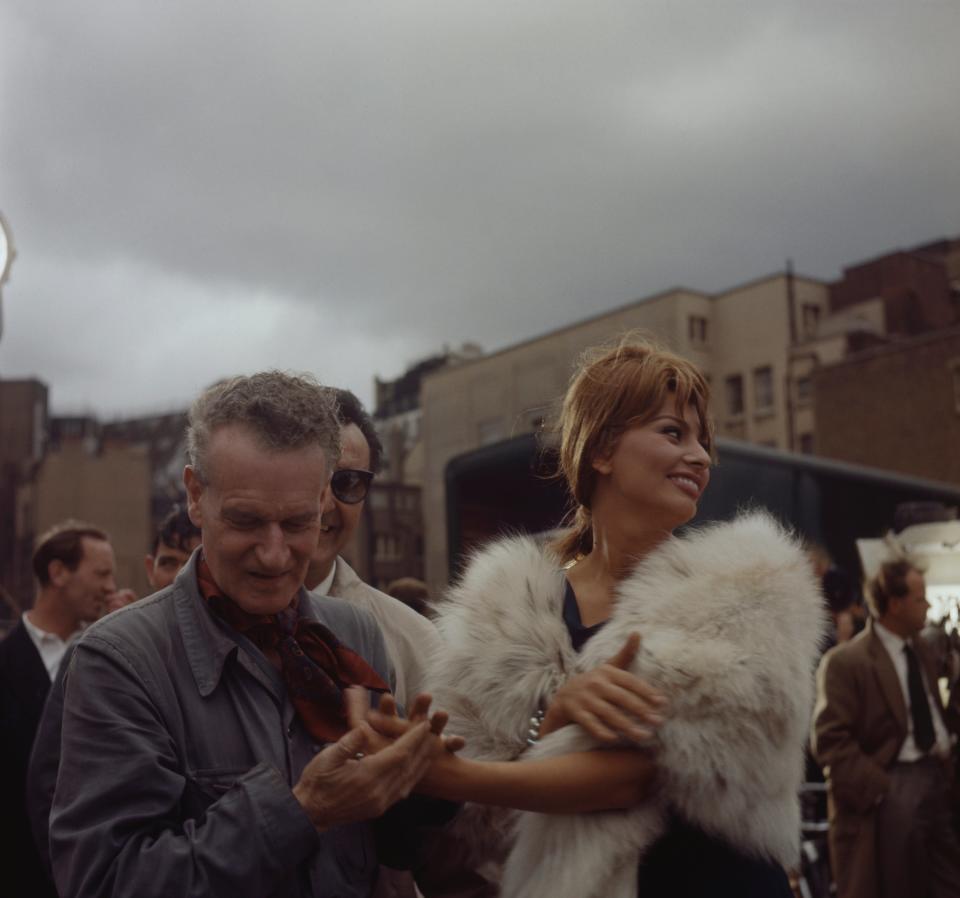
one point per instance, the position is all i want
(730, 619)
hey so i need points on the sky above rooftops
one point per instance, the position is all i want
(197, 190)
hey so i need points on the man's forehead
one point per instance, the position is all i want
(354, 448)
(237, 455)
(96, 549)
(164, 548)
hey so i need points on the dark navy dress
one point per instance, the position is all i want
(686, 862)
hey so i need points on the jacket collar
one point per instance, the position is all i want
(344, 578)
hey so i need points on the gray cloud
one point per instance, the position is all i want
(202, 188)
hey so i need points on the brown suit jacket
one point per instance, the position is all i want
(859, 725)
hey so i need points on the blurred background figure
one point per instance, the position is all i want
(117, 599)
(173, 545)
(74, 568)
(412, 592)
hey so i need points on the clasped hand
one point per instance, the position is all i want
(376, 764)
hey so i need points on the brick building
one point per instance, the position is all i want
(895, 406)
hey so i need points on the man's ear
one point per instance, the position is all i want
(57, 572)
(148, 562)
(194, 487)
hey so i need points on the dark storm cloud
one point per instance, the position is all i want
(202, 188)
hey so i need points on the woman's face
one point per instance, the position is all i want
(658, 469)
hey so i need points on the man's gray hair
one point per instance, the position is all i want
(283, 411)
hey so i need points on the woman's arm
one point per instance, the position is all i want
(602, 780)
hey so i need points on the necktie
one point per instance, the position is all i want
(919, 706)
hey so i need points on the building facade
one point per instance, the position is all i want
(895, 406)
(23, 439)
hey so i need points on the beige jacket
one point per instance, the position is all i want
(443, 870)
(411, 639)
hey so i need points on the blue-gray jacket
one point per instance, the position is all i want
(180, 748)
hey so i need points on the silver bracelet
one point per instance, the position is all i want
(533, 734)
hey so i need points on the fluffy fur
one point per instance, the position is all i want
(730, 618)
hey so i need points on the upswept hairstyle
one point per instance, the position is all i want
(888, 583)
(616, 387)
(63, 542)
(176, 530)
(284, 412)
(350, 410)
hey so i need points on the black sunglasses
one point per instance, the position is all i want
(350, 485)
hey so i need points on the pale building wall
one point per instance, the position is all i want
(110, 489)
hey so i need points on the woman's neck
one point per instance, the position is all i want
(615, 553)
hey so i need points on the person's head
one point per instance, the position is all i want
(898, 597)
(261, 450)
(173, 545)
(411, 592)
(361, 454)
(74, 566)
(635, 438)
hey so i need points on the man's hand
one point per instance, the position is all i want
(608, 702)
(345, 784)
(117, 599)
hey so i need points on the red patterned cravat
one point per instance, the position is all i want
(316, 667)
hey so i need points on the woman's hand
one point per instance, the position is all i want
(610, 703)
(385, 725)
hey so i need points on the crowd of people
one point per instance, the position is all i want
(614, 712)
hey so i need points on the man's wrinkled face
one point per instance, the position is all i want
(259, 512)
(164, 565)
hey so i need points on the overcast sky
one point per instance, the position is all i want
(199, 189)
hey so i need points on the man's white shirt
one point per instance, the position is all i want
(50, 646)
(908, 751)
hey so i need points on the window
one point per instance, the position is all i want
(697, 330)
(804, 388)
(810, 315)
(735, 395)
(763, 389)
(806, 443)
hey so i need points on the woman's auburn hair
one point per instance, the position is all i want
(616, 387)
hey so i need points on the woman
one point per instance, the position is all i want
(729, 620)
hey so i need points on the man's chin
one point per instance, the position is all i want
(270, 599)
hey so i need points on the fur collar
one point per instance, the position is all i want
(730, 618)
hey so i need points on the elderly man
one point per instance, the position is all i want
(206, 750)
(881, 734)
(74, 567)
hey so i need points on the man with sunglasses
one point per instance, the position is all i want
(440, 860)
(410, 638)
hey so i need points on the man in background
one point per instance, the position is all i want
(440, 861)
(882, 736)
(74, 569)
(410, 638)
(173, 545)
